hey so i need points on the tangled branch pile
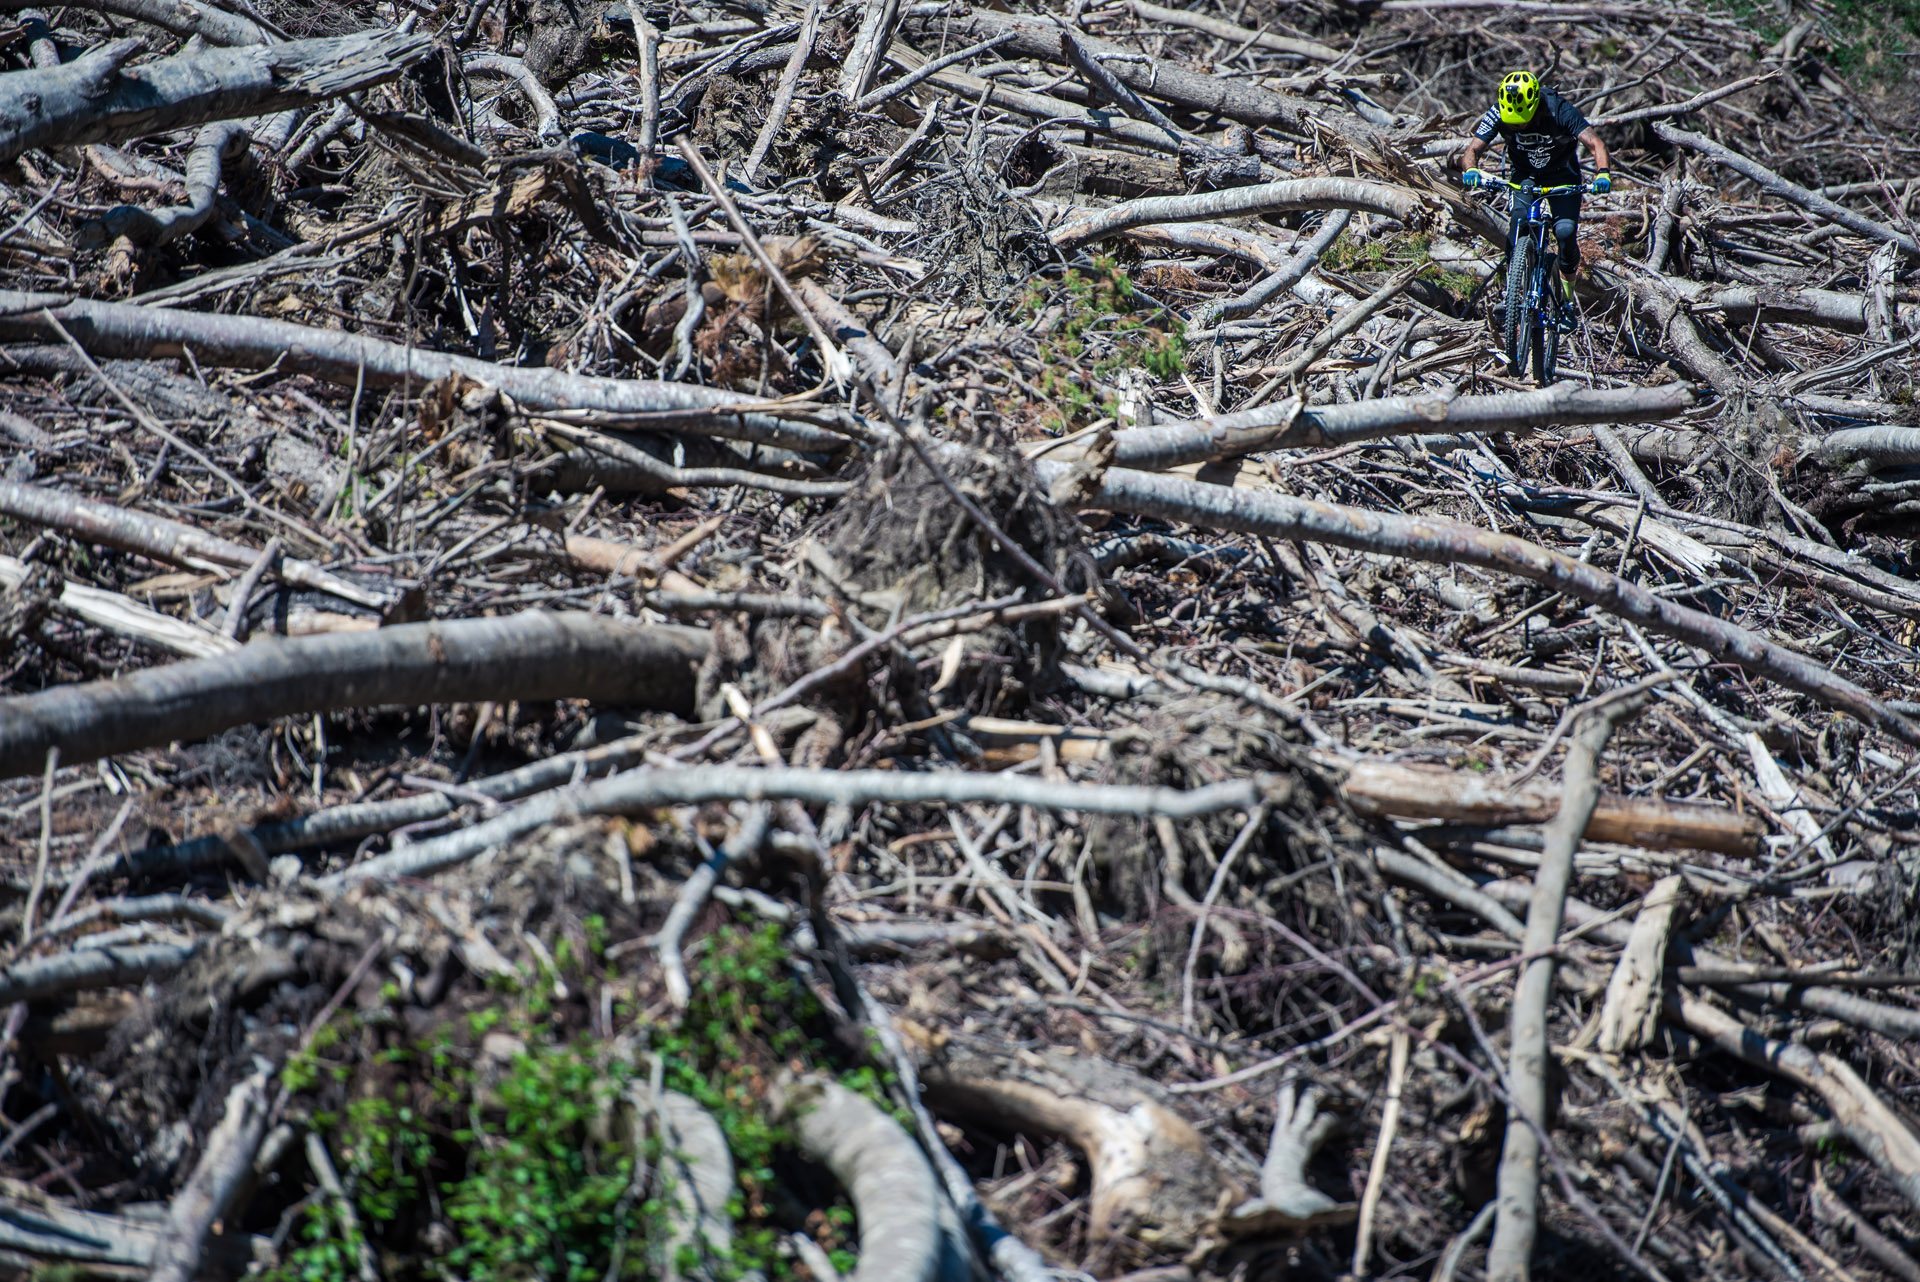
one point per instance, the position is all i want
(765, 639)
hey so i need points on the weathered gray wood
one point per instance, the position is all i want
(529, 656)
(214, 148)
(251, 342)
(1277, 427)
(181, 17)
(98, 98)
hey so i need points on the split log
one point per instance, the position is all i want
(130, 331)
(1449, 542)
(1150, 1171)
(181, 17)
(97, 98)
(125, 617)
(1458, 796)
(531, 656)
(1774, 185)
(1287, 195)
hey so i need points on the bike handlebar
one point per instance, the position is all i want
(1538, 191)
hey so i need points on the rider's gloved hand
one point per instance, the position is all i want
(1473, 178)
(1602, 182)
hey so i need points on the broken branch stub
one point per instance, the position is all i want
(98, 98)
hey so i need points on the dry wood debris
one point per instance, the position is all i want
(934, 640)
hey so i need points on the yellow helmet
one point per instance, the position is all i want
(1519, 97)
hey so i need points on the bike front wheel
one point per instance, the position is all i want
(1546, 332)
(1521, 321)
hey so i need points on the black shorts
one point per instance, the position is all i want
(1563, 204)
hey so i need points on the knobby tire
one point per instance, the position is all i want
(1546, 330)
(1519, 324)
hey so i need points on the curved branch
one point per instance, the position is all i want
(214, 147)
(1287, 195)
(903, 1221)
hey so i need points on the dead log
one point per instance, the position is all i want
(1863, 1117)
(1150, 1170)
(1447, 542)
(1458, 796)
(1289, 194)
(1785, 305)
(223, 1171)
(131, 331)
(1234, 32)
(531, 656)
(97, 98)
(907, 1231)
(1875, 447)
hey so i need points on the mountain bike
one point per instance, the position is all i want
(1535, 316)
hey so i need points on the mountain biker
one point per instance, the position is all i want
(1540, 128)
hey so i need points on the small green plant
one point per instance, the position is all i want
(1100, 317)
(520, 1160)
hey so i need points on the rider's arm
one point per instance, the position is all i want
(1591, 137)
(1470, 159)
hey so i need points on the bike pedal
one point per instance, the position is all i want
(1566, 320)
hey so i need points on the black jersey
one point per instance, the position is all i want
(1544, 148)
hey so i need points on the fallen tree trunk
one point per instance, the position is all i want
(1826, 308)
(96, 98)
(130, 331)
(529, 656)
(1877, 447)
(1457, 796)
(1448, 542)
(1287, 195)
(1286, 426)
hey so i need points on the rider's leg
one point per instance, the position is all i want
(1566, 231)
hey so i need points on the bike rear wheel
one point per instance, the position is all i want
(1520, 322)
